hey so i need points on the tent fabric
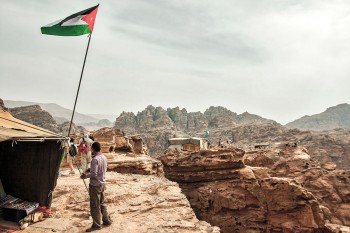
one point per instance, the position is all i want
(2, 191)
(29, 170)
(13, 128)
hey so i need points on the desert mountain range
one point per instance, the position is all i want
(156, 125)
(332, 118)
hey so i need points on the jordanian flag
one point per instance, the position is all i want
(75, 25)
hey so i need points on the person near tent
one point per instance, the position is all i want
(72, 153)
(97, 186)
(84, 149)
(66, 156)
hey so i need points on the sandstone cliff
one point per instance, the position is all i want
(242, 130)
(331, 146)
(334, 117)
(153, 118)
(137, 203)
(35, 115)
(156, 126)
(276, 190)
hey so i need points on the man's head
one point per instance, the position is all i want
(95, 147)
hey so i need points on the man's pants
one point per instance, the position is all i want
(98, 209)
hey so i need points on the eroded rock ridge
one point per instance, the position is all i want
(280, 189)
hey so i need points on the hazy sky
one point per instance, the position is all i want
(280, 59)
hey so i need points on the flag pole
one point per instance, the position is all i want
(81, 76)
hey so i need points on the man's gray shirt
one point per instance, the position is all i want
(98, 170)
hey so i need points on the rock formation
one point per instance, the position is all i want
(156, 126)
(333, 118)
(280, 189)
(113, 140)
(331, 146)
(2, 106)
(241, 130)
(64, 128)
(137, 203)
(59, 113)
(153, 118)
(142, 165)
(35, 115)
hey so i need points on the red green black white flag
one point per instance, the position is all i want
(74, 25)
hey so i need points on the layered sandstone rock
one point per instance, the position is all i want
(274, 190)
(136, 203)
(329, 186)
(325, 147)
(35, 115)
(113, 140)
(142, 165)
(244, 130)
(156, 126)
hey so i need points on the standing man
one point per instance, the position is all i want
(85, 151)
(97, 174)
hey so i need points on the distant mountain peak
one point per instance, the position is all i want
(156, 117)
(332, 118)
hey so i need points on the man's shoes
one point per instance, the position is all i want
(107, 223)
(93, 228)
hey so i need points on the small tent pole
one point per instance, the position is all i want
(80, 173)
(81, 76)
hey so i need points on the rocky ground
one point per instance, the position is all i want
(279, 189)
(137, 203)
(156, 126)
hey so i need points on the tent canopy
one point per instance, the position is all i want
(12, 129)
(29, 168)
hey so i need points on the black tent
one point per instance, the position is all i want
(29, 160)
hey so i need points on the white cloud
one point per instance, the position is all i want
(277, 59)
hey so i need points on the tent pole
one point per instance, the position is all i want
(80, 173)
(81, 76)
(76, 99)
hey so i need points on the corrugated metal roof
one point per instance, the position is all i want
(13, 128)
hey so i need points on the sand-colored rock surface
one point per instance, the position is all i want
(265, 190)
(137, 203)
